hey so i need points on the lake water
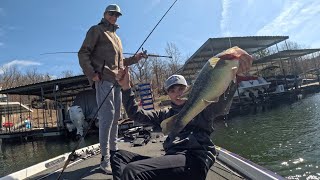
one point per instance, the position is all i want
(284, 139)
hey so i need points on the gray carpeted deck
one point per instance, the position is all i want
(87, 167)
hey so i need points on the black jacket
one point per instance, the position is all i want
(195, 138)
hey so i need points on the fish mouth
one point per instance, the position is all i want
(228, 57)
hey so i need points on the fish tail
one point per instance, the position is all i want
(168, 124)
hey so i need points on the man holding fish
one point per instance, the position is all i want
(189, 150)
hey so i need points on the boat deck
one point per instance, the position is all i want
(88, 167)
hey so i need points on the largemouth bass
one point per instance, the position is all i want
(212, 81)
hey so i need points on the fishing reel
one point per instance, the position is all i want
(145, 53)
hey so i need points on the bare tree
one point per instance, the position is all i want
(32, 76)
(159, 69)
(11, 77)
(142, 71)
(66, 73)
(261, 54)
(174, 62)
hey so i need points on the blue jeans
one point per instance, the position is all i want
(108, 116)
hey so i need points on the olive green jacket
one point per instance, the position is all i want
(101, 52)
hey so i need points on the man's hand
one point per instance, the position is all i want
(245, 63)
(140, 55)
(123, 78)
(96, 77)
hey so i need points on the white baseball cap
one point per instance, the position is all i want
(173, 80)
(113, 7)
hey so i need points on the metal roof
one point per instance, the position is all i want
(285, 55)
(315, 71)
(213, 46)
(13, 108)
(63, 89)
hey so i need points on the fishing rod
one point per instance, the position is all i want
(95, 115)
(73, 52)
(152, 55)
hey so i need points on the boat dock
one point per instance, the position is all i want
(36, 133)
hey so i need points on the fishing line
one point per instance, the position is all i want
(95, 116)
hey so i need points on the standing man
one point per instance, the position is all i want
(100, 58)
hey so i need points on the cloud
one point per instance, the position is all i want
(225, 17)
(155, 2)
(1, 12)
(250, 2)
(1, 44)
(4, 29)
(152, 6)
(19, 63)
(293, 17)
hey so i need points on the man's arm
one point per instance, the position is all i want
(86, 50)
(150, 117)
(129, 61)
(134, 59)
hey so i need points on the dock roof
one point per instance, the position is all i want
(13, 108)
(213, 46)
(285, 55)
(63, 89)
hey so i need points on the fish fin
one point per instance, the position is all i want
(234, 72)
(186, 93)
(207, 102)
(168, 124)
(183, 98)
(213, 61)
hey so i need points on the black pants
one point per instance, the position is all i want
(131, 166)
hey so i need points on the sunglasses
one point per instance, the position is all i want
(113, 13)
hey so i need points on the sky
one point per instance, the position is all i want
(30, 28)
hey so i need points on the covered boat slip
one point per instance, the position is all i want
(86, 166)
(286, 55)
(13, 107)
(251, 44)
(61, 90)
(47, 107)
(277, 60)
(283, 68)
(213, 46)
(13, 118)
(9, 108)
